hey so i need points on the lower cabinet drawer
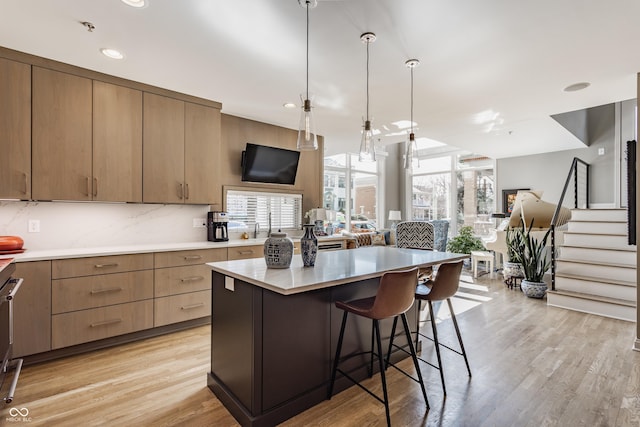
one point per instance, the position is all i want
(89, 325)
(182, 280)
(245, 252)
(179, 308)
(80, 293)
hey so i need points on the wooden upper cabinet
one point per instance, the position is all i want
(15, 130)
(61, 136)
(117, 143)
(163, 150)
(202, 155)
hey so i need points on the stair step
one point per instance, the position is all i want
(595, 240)
(602, 306)
(596, 271)
(598, 227)
(598, 263)
(607, 255)
(614, 289)
(599, 215)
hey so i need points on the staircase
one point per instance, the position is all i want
(596, 268)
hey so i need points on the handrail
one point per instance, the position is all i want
(573, 173)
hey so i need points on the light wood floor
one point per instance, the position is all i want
(532, 365)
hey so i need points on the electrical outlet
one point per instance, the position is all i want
(601, 151)
(34, 226)
(199, 222)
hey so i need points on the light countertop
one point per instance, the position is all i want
(331, 267)
(50, 254)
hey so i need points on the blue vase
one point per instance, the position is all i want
(309, 246)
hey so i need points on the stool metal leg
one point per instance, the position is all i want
(412, 349)
(455, 324)
(437, 344)
(391, 338)
(337, 358)
(376, 326)
(418, 324)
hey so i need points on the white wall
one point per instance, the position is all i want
(66, 225)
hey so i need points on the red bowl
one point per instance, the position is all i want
(10, 243)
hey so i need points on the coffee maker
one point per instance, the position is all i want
(217, 227)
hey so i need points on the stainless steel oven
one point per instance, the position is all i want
(8, 289)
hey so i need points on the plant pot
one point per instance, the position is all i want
(512, 269)
(533, 289)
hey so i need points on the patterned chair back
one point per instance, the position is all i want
(414, 234)
(440, 234)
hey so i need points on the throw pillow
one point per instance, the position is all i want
(378, 240)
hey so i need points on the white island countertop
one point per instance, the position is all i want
(331, 267)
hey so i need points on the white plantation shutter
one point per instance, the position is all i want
(254, 206)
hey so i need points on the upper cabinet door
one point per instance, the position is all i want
(15, 130)
(61, 136)
(117, 143)
(202, 155)
(163, 150)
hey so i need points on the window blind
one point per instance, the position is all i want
(251, 207)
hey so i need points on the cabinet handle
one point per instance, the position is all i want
(95, 187)
(246, 252)
(186, 187)
(192, 306)
(192, 257)
(115, 264)
(88, 187)
(181, 191)
(102, 291)
(25, 183)
(191, 279)
(105, 322)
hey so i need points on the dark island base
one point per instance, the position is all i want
(272, 354)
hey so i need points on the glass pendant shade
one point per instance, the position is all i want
(307, 140)
(367, 148)
(410, 156)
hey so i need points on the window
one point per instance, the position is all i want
(280, 210)
(351, 187)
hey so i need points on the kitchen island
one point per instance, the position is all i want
(274, 331)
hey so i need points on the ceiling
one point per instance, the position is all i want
(491, 72)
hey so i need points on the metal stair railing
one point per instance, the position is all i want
(579, 176)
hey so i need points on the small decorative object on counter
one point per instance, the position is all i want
(244, 236)
(309, 246)
(278, 251)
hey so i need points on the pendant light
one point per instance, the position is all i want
(307, 140)
(411, 153)
(367, 146)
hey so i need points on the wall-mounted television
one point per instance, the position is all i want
(261, 163)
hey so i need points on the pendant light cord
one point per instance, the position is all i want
(411, 99)
(307, 2)
(368, 43)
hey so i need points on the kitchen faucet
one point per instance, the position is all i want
(256, 230)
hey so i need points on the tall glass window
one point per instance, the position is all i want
(351, 190)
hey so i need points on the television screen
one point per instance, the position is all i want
(269, 164)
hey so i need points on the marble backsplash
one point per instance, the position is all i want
(66, 225)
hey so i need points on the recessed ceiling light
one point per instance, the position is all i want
(136, 3)
(289, 105)
(577, 86)
(112, 53)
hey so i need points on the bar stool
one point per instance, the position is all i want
(443, 287)
(395, 295)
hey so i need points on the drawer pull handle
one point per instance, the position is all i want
(245, 252)
(191, 279)
(192, 257)
(115, 264)
(192, 306)
(102, 291)
(105, 322)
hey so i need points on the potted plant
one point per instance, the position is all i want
(535, 263)
(465, 242)
(512, 268)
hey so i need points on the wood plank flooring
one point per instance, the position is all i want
(532, 365)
